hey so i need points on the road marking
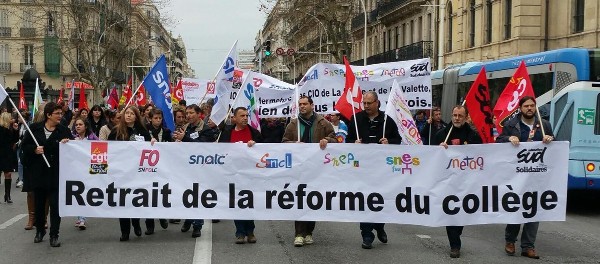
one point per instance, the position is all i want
(12, 221)
(423, 236)
(203, 249)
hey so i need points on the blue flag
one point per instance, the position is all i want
(157, 86)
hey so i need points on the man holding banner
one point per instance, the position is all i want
(460, 133)
(370, 123)
(311, 128)
(524, 127)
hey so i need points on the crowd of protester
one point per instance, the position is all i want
(57, 123)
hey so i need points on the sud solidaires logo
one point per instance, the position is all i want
(99, 162)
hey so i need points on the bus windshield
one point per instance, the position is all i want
(594, 65)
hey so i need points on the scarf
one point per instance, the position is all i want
(307, 127)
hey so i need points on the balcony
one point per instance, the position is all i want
(5, 32)
(391, 6)
(28, 1)
(358, 22)
(5, 67)
(417, 50)
(25, 67)
(27, 32)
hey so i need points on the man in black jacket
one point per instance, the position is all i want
(461, 133)
(522, 128)
(240, 131)
(370, 131)
(434, 125)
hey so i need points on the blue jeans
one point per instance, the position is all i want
(196, 223)
(528, 235)
(243, 227)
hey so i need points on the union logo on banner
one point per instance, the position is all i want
(210, 88)
(99, 155)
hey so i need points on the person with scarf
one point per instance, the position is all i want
(161, 134)
(314, 128)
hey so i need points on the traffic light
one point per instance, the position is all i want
(267, 48)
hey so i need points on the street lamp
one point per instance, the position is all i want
(104, 31)
(362, 2)
(320, 33)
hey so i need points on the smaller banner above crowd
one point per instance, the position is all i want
(325, 83)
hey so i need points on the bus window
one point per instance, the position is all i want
(597, 123)
(436, 95)
(594, 65)
(463, 89)
(542, 83)
(496, 87)
(559, 107)
(566, 129)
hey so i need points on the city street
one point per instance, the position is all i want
(575, 241)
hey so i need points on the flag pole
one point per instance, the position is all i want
(355, 122)
(215, 78)
(297, 93)
(452, 126)
(537, 110)
(27, 127)
(133, 95)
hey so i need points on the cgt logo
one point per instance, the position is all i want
(403, 164)
(535, 157)
(467, 163)
(149, 157)
(419, 69)
(99, 158)
(344, 159)
(271, 163)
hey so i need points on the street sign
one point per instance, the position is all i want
(585, 116)
(280, 51)
(290, 52)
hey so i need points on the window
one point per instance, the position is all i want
(578, 20)
(4, 18)
(419, 29)
(28, 54)
(449, 34)
(472, 23)
(384, 42)
(4, 56)
(51, 24)
(397, 38)
(389, 39)
(488, 23)
(412, 32)
(27, 21)
(507, 18)
(403, 34)
(428, 27)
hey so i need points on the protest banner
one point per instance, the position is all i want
(420, 185)
(195, 89)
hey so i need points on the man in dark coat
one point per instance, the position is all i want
(522, 128)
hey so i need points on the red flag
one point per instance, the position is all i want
(352, 96)
(480, 107)
(141, 96)
(178, 93)
(126, 95)
(22, 104)
(518, 87)
(82, 101)
(60, 96)
(113, 98)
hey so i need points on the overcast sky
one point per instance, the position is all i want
(210, 27)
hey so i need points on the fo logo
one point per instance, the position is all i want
(148, 160)
(99, 161)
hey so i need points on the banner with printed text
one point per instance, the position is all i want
(461, 185)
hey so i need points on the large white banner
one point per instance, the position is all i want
(195, 89)
(420, 185)
(324, 83)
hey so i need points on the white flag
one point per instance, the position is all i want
(223, 86)
(247, 98)
(37, 98)
(398, 110)
(3, 94)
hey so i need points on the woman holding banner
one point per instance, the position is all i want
(83, 131)
(130, 128)
(41, 161)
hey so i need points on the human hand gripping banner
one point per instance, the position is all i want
(420, 185)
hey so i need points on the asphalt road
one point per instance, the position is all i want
(575, 241)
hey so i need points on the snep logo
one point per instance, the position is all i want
(466, 163)
(212, 159)
(403, 164)
(344, 159)
(533, 160)
(274, 163)
(419, 69)
(148, 160)
(99, 162)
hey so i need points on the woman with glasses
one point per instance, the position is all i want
(48, 133)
